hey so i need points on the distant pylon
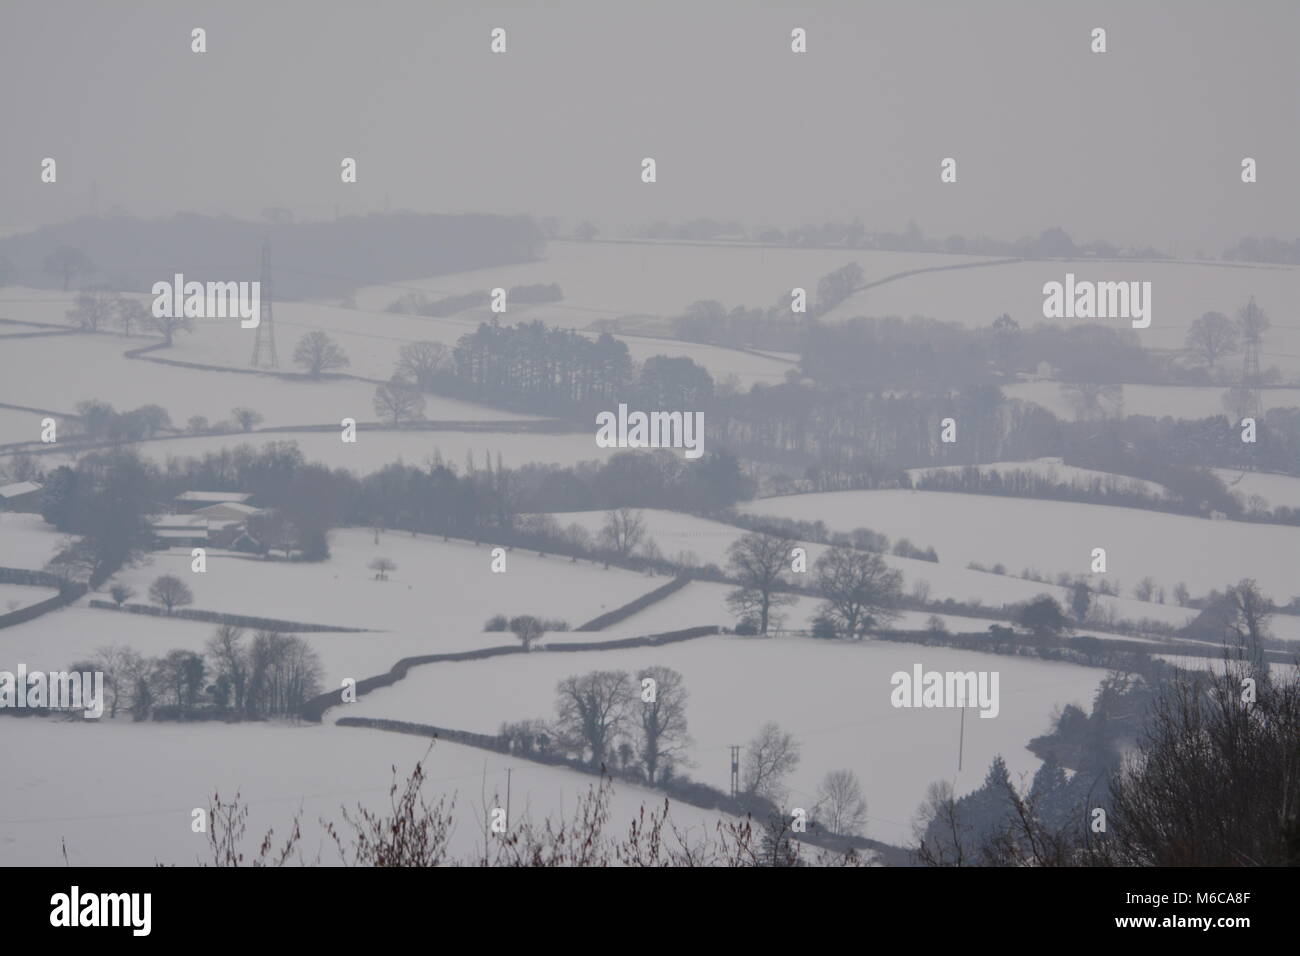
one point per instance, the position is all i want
(264, 344)
(735, 771)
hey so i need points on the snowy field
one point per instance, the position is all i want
(1158, 401)
(706, 542)
(1216, 665)
(834, 697)
(57, 373)
(65, 784)
(374, 448)
(373, 340)
(661, 278)
(1180, 293)
(16, 596)
(16, 426)
(435, 601)
(1276, 490)
(1054, 536)
(26, 541)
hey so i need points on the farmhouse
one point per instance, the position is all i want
(194, 500)
(228, 511)
(215, 519)
(23, 496)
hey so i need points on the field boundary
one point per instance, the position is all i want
(705, 796)
(221, 617)
(314, 709)
(632, 607)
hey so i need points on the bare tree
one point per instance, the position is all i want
(769, 759)
(381, 567)
(171, 592)
(421, 362)
(67, 263)
(130, 314)
(230, 659)
(399, 401)
(246, 418)
(940, 835)
(527, 628)
(592, 710)
(318, 353)
(1248, 625)
(91, 309)
(623, 531)
(661, 721)
(760, 561)
(121, 594)
(841, 807)
(1213, 781)
(112, 662)
(168, 325)
(861, 591)
(1211, 337)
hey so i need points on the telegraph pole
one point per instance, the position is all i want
(735, 771)
(961, 740)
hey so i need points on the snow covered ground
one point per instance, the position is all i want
(56, 373)
(1180, 293)
(65, 785)
(1276, 490)
(1158, 401)
(376, 448)
(662, 278)
(435, 601)
(678, 534)
(14, 597)
(1054, 536)
(834, 697)
(26, 541)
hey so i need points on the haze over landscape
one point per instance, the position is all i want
(371, 530)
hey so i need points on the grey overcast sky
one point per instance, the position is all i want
(1141, 144)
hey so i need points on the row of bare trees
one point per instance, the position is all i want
(859, 590)
(270, 674)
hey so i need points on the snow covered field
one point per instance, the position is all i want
(374, 449)
(679, 534)
(56, 373)
(65, 784)
(1054, 536)
(1158, 401)
(26, 541)
(1180, 293)
(1276, 490)
(663, 278)
(435, 601)
(16, 426)
(14, 597)
(834, 697)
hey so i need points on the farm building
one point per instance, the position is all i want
(22, 496)
(192, 501)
